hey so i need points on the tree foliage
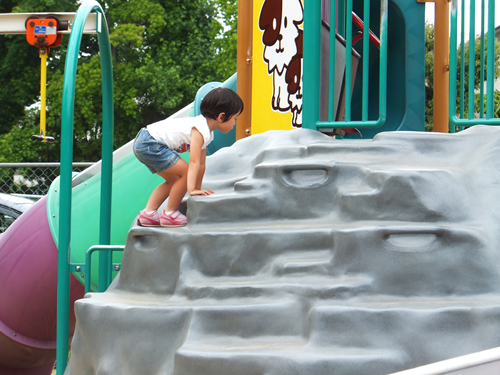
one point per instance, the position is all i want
(429, 75)
(477, 74)
(163, 51)
(227, 37)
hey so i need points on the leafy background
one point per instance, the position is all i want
(429, 76)
(163, 51)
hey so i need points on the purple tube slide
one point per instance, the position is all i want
(28, 295)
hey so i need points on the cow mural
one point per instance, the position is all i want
(282, 37)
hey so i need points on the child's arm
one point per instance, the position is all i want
(196, 168)
(201, 172)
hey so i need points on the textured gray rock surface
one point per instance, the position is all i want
(315, 256)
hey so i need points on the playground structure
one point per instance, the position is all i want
(404, 112)
(393, 267)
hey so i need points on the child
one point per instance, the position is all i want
(157, 146)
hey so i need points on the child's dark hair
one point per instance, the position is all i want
(221, 100)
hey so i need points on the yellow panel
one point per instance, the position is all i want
(272, 62)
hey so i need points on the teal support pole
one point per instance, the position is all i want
(462, 72)
(462, 64)
(472, 56)
(481, 73)
(348, 62)
(105, 258)
(63, 273)
(333, 41)
(366, 59)
(312, 63)
(489, 120)
(490, 76)
(453, 64)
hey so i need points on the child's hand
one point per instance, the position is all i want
(201, 192)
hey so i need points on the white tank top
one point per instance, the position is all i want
(176, 133)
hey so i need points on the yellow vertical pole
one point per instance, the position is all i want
(441, 65)
(244, 66)
(43, 52)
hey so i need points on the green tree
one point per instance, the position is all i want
(496, 103)
(227, 37)
(163, 52)
(477, 74)
(429, 75)
(16, 146)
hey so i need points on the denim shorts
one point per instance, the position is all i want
(152, 153)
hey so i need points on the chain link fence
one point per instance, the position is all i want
(31, 179)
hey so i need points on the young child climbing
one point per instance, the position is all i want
(157, 146)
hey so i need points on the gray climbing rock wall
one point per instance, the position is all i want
(314, 256)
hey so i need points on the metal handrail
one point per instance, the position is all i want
(88, 263)
(312, 57)
(361, 25)
(490, 65)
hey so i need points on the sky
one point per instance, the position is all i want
(429, 15)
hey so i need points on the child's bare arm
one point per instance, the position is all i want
(201, 172)
(196, 168)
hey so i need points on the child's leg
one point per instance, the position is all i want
(161, 192)
(174, 187)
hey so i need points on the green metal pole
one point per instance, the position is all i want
(312, 63)
(105, 258)
(63, 280)
(481, 73)
(453, 63)
(462, 62)
(453, 71)
(348, 61)
(472, 56)
(491, 60)
(462, 71)
(63, 273)
(366, 59)
(384, 35)
(333, 42)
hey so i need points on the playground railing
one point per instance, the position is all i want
(343, 18)
(89, 8)
(32, 179)
(86, 268)
(471, 90)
